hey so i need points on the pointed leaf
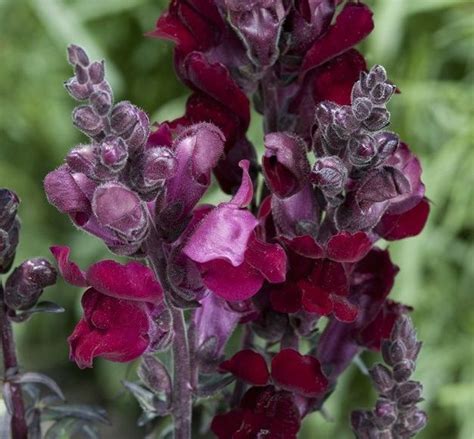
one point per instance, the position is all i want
(154, 375)
(33, 377)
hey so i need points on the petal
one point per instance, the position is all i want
(298, 373)
(304, 245)
(348, 247)
(315, 299)
(215, 80)
(410, 223)
(132, 281)
(329, 276)
(229, 282)
(249, 366)
(225, 425)
(352, 25)
(244, 195)
(344, 311)
(269, 259)
(69, 270)
(120, 345)
(285, 298)
(223, 234)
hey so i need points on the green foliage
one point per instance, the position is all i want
(426, 46)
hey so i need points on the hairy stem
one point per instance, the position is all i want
(19, 429)
(182, 390)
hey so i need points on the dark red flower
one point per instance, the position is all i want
(249, 366)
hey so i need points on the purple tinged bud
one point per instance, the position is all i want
(382, 378)
(403, 370)
(113, 154)
(385, 413)
(387, 144)
(101, 101)
(81, 74)
(158, 164)
(378, 120)
(362, 108)
(9, 203)
(330, 175)
(86, 120)
(385, 434)
(285, 164)
(120, 210)
(408, 394)
(8, 244)
(81, 92)
(345, 120)
(376, 75)
(325, 113)
(82, 159)
(96, 72)
(397, 352)
(382, 93)
(415, 421)
(77, 55)
(362, 149)
(137, 136)
(25, 285)
(123, 117)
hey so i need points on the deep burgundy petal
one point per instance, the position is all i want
(348, 247)
(304, 245)
(132, 281)
(249, 366)
(298, 373)
(69, 270)
(118, 344)
(244, 195)
(352, 25)
(315, 299)
(269, 259)
(285, 298)
(229, 282)
(225, 425)
(330, 276)
(410, 223)
(344, 311)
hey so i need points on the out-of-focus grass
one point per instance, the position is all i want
(428, 48)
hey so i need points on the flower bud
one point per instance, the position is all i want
(81, 74)
(123, 117)
(408, 393)
(113, 154)
(9, 203)
(362, 108)
(81, 92)
(415, 421)
(385, 414)
(325, 113)
(381, 93)
(345, 120)
(330, 175)
(101, 101)
(96, 72)
(362, 149)
(285, 165)
(403, 370)
(137, 136)
(378, 120)
(77, 55)
(387, 144)
(376, 75)
(382, 378)
(120, 210)
(158, 164)
(86, 120)
(82, 159)
(25, 285)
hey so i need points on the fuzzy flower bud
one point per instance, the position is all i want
(9, 228)
(123, 117)
(25, 285)
(120, 210)
(82, 159)
(101, 102)
(362, 149)
(330, 175)
(77, 55)
(113, 154)
(87, 120)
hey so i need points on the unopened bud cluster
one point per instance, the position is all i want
(396, 414)
(9, 228)
(351, 133)
(26, 283)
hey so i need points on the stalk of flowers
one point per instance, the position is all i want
(274, 263)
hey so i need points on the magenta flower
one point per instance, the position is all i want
(120, 306)
(235, 268)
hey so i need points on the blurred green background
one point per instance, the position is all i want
(428, 49)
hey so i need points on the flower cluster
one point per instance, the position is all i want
(332, 182)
